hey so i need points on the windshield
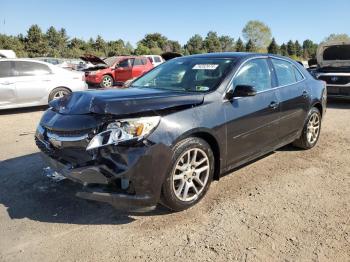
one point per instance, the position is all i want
(187, 74)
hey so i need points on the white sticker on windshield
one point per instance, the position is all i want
(205, 66)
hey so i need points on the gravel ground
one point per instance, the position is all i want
(290, 205)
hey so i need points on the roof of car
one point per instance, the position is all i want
(237, 55)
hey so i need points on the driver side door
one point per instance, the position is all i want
(252, 121)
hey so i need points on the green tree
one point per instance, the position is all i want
(195, 45)
(284, 50)
(212, 43)
(298, 49)
(173, 46)
(227, 43)
(309, 49)
(142, 50)
(14, 43)
(291, 48)
(100, 46)
(258, 32)
(273, 48)
(239, 45)
(36, 43)
(250, 47)
(337, 37)
(154, 40)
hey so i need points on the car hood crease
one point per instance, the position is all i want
(124, 101)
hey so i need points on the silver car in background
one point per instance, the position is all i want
(25, 82)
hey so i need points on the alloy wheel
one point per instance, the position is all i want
(60, 94)
(107, 82)
(191, 174)
(313, 128)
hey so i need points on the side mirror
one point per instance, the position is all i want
(241, 91)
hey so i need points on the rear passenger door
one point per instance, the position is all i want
(139, 67)
(7, 84)
(32, 82)
(294, 97)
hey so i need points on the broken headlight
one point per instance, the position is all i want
(124, 130)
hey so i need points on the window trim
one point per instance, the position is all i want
(285, 60)
(272, 88)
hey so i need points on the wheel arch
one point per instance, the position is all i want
(319, 106)
(214, 145)
(53, 89)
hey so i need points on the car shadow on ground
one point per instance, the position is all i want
(27, 193)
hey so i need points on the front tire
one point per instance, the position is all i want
(191, 173)
(107, 81)
(311, 131)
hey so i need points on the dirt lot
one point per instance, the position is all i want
(290, 205)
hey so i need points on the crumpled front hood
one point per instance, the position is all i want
(123, 101)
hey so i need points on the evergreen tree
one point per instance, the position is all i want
(291, 48)
(309, 49)
(250, 47)
(240, 46)
(284, 50)
(298, 49)
(35, 42)
(273, 47)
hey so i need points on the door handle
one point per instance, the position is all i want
(305, 94)
(274, 105)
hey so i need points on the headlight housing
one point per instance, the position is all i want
(132, 129)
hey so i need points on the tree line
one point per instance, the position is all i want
(257, 37)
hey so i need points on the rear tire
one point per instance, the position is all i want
(311, 131)
(107, 81)
(58, 92)
(191, 173)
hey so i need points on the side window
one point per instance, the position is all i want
(254, 73)
(31, 69)
(5, 69)
(157, 59)
(144, 61)
(138, 62)
(284, 71)
(298, 75)
(125, 63)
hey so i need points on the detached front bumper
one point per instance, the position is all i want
(126, 177)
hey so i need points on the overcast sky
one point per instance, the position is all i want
(177, 19)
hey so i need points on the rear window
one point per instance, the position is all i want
(31, 69)
(157, 59)
(5, 69)
(337, 52)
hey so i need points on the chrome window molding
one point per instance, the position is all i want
(268, 90)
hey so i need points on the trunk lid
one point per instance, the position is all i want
(334, 54)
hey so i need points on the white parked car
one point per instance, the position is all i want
(25, 82)
(156, 60)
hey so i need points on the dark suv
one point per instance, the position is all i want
(180, 126)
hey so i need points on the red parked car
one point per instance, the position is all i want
(115, 70)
